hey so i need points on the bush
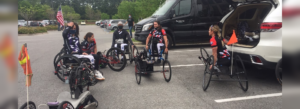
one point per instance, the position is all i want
(51, 27)
(31, 30)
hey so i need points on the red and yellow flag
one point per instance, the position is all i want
(232, 39)
(7, 53)
(24, 60)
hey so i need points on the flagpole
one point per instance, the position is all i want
(231, 58)
(25, 45)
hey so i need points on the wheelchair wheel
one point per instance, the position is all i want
(278, 71)
(138, 73)
(57, 56)
(207, 72)
(62, 69)
(204, 54)
(135, 53)
(115, 62)
(65, 105)
(167, 70)
(240, 71)
(31, 105)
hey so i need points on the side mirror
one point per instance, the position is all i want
(172, 12)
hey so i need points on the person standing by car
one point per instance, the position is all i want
(130, 23)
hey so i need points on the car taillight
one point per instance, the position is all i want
(109, 25)
(270, 26)
(256, 60)
(290, 12)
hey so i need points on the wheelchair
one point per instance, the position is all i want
(128, 50)
(144, 63)
(236, 71)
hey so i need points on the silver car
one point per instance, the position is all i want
(113, 24)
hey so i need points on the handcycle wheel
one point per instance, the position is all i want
(240, 71)
(114, 62)
(61, 68)
(61, 53)
(278, 71)
(138, 73)
(65, 105)
(204, 54)
(207, 72)
(130, 53)
(31, 105)
(167, 70)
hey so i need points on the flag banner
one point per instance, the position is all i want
(232, 39)
(24, 61)
(60, 17)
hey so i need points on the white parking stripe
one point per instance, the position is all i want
(248, 97)
(184, 65)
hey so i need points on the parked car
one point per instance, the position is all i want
(105, 24)
(35, 24)
(113, 24)
(22, 23)
(98, 22)
(102, 23)
(263, 45)
(184, 20)
(82, 23)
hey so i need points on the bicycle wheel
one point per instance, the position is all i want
(204, 54)
(138, 73)
(62, 69)
(167, 70)
(31, 105)
(57, 56)
(240, 71)
(115, 61)
(65, 105)
(278, 72)
(207, 72)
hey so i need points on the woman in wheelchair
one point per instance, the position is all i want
(219, 50)
(121, 36)
(72, 45)
(89, 47)
(158, 36)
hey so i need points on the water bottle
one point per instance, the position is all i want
(66, 79)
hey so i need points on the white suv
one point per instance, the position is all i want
(264, 18)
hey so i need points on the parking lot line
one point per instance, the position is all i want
(248, 97)
(184, 65)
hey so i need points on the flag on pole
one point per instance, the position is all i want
(24, 60)
(7, 52)
(60, 17)
(233, 39)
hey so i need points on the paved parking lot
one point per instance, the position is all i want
(120, 90)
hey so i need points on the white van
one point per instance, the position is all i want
(264, 18)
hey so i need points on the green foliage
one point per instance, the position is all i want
(115, 16)
(104, 16)
(69, 13)
(31, 30)
(51, 27)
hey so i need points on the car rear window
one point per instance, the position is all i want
(248, 14)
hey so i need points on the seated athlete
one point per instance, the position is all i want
(219, 50)
(89, 47)
(121, 34)
(159, 35)
(71, 41)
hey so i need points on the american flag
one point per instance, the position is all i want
(60, 17)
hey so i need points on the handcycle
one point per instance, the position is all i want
(144, 64)
(128, 50)
(111, 59)
(236, 72)
(64, 101)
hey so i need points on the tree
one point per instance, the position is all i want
(97, 15)
(116, 16)
(26, 10)
(69, 13)
(104, 16)
(50, 14)
(89, 12)
(125, 8)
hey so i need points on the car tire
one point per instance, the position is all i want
(98, 24)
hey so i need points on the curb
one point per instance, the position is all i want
(32, 34)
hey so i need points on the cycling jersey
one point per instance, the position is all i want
(157, 34)
(222, 53)
(71, 42)
(123, 34)
(88, 47)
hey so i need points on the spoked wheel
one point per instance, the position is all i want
(31, 105)
(62, 69)
(240, 71)
(74, 83)
(278, 71)
(167, 70)
(65, 105)
(130, 53)
(207, 72)
(115, 61)
(135, 53)
(57, 56)
(204, 55)
(138, 73)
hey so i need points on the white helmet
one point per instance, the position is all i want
(120, 23)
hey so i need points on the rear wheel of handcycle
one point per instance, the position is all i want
(138, 73)
(278, 71)
(65, 105)
(115, 61)
(204, 54)
(61, 68)
(240, 71)
(31, 105)
(207, 72)
(57, 56)
(167, 70)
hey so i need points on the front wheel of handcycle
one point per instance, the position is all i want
(167, 70)
(116, 59)
(138, 73)
(61, 69)
(207, 72)
(240, 71)
(31, 105)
